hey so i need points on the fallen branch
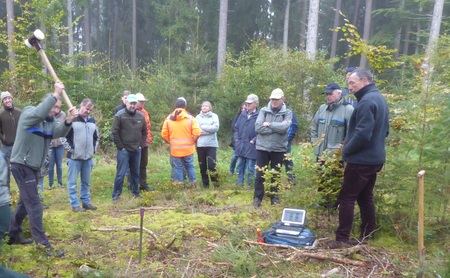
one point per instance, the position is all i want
(319, 255)
(148, 208)
(126, 229)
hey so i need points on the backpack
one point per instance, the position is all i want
(305, 238)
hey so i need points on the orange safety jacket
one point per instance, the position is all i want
(181, 130)
(149, 125)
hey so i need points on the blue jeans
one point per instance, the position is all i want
(7, 150)
(242, 164)
(125, 160)
(55, 158)
(84, 169)
(179, 163)
(233, 162)
(41, 187)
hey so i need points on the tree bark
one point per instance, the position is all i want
(222, 43)
(133, 39)
(313, 21)
(70, 30)
(354, 21)
(335, 25)
(435, 27)
(303, 19)
(286, 27)
(366, 34)
(10, 32)
(86, 35)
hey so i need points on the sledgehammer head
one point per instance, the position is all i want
(35, 40)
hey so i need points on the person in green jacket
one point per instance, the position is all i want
(328, 130)
(35, 130)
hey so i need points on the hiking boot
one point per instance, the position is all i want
(78, 209)
(89, 207)
(335, 244)
(51, 187)
(256, 202)
(353, 242)
(115, 199)
(275, 200)
(20, 240)
(137, 196)
(50, 252)
(146, 188)
(193, 185)
(44, 206)
(60, 185)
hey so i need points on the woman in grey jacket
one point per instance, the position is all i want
(207, 144)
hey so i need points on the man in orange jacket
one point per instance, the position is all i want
(181, 130)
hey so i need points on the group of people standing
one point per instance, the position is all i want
(261, 139)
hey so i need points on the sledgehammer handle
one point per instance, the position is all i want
(53, 74)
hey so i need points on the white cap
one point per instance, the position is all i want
(140, 97)
(277, 94)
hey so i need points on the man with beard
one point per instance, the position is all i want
(9, 117)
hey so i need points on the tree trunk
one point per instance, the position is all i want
(222, 43)
(398, 35)
(70, 30)
(133, 39)
(286, 27)
(354, 21)
(313, 21)
(435, 27)
(303, 18)
(335, 25)
(86, 35)
(115, 31)
(10, 32)
(406, 40)
(366, 34)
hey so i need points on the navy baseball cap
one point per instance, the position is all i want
(331, 87)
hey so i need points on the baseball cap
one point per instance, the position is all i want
(252, 98)
(350, 69)
(132, 98)
(140, 97)
(276, 94)
(331, 87)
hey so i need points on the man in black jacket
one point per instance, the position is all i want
(9, 117)
(364, 153)
(129, 131)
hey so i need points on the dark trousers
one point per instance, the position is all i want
(143, 168)
(289, 164)
(273, 160)
(359, 181)
(207, 163)
(29, 204)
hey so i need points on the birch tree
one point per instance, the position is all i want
(70, 29)
(313, 21)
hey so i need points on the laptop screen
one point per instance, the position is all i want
(293, 216)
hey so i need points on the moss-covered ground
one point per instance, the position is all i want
(197, 233)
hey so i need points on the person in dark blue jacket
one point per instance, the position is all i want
(244, 136)
(288, 162)
(364, 154)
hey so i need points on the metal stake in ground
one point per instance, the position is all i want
(420, 241)
(35, 41)
(140, 236)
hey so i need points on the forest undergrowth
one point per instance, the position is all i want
(203, 233)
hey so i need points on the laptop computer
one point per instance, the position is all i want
(293, 221)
